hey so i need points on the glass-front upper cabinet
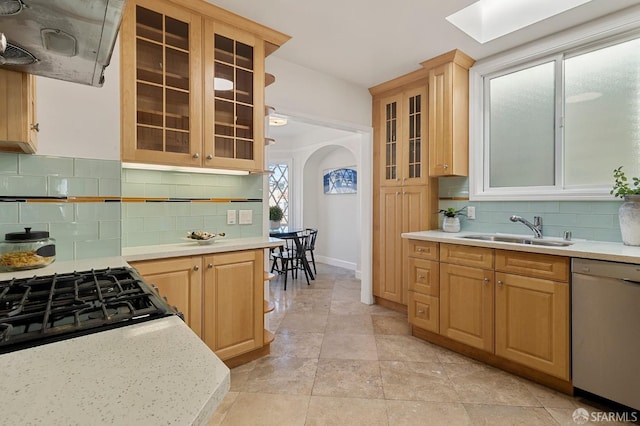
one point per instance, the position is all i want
(234, 88)
(403, 137)
(161, 84)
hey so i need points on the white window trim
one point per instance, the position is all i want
(578, 38)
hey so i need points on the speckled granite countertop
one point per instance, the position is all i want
(599, 250)
(132, 254)
(150, 373)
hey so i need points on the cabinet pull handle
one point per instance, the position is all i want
(209, 157)
(196, 155)
(421, 311)
(210, 265)
(420, 249)
(196, 268)
(35, 127)
(500, 283)
(421, 277)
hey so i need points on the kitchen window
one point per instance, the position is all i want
(555, 127)
(279, 189)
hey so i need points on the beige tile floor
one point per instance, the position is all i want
(336, 361)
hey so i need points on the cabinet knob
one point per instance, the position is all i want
(196, 268)
(500, 283)
(210, 266)
(35, 127)
(421, 277)
(486, 280)
(420, 249)
(445, 166)
(165, 299)
(155, 287)
(209, 157)
(196, 155)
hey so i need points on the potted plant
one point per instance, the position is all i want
(275, 216)
(629, 212)
(451, 220)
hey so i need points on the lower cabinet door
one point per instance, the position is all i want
(233, 302)
(178, 279)
(466, 305)
(423, 311)
(532, 323)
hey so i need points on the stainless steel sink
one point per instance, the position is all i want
(518, 240)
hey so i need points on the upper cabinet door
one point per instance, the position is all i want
(233, 99)
(403, 137)
(161, 84)
(449, 115)
(414, 140)
(18, 125)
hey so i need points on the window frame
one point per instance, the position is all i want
(563, 46)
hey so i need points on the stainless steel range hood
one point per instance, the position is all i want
(68, 40)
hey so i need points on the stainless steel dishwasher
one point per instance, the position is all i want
(606, 329)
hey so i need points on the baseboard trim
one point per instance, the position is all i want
(336, 262)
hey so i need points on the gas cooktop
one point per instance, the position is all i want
(44, 309)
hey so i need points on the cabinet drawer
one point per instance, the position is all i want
(424, 311)
(533, 265)
(423, 249)
(479, 257)
(424, 277)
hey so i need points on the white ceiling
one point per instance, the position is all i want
(368, 42)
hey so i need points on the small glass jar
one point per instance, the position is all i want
(27, 250)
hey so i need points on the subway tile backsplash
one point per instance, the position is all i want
(81, 230)
(168, 222)
(591, 220)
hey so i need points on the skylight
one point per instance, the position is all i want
(486, 20)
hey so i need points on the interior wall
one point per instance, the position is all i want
(304, 92)
(334, 215)
(80, 121)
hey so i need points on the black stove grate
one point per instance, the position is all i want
(42, 309)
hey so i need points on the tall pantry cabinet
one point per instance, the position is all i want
(420, 130)
(403, 193)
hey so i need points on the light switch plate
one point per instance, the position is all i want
(245, 217)
(231, 217)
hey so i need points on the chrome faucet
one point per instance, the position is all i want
(536, 226)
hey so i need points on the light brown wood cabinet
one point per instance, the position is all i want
(449, 114)
(532, 322)
(234, 300)
(404, 195)
(18, 124)
(532, 311)
(467, 295)
(508, 303)
(221, 296)
(178, 279)
(192, 85)
(402, 209)
(403, 137)
(423, 285)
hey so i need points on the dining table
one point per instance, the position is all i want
(291, 232)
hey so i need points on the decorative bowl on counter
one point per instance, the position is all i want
(203, 237)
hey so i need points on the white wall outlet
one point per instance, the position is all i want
(245, 217)
(231, 217)
(471, 212)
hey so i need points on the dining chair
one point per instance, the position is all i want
(311, 245)
(291, 255)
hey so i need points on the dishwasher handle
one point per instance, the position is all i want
(630, 282)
